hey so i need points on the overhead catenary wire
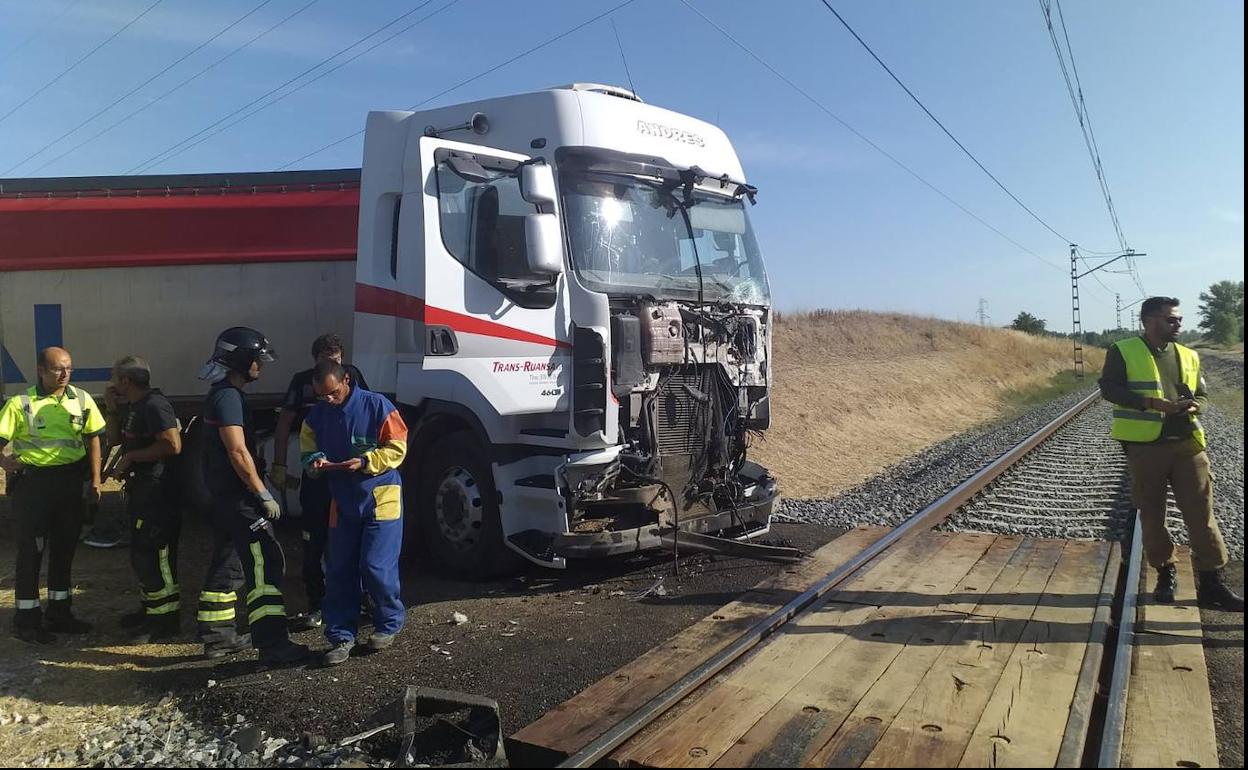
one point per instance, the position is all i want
(79, 61)
(863, 137)
(1074, 88)
(182, 84)
(937, 121)
(466, 81)
(138, 87)
(177, 146)
(34, 35)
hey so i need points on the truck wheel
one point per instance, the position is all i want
(459, 510)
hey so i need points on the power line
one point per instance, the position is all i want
(624, 58)
(84, 57)
(179, 86)
(51, 23)
(466, 81)
(139, 87)
(308, 82)
(806, 95)
(1074, 88)
(174, 148)
(936, 120)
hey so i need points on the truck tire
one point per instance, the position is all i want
(459, 512)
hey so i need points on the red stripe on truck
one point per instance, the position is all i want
(150, 230)
(379, 301)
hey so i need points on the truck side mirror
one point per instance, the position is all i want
(537, 184)
(545, 245)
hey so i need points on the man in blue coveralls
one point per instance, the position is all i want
(359, 440)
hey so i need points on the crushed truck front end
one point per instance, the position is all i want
(583, 404)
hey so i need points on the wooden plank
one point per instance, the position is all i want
(935, 726)
(1025, 719)
(701, 729)
(1169, 720)
(574, 723)
(810, 713)
(1079, 723)
(857, 736)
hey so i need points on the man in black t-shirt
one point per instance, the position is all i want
(243, 511)
(150, 440)
(314, 498)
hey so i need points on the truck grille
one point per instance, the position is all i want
(680, 417)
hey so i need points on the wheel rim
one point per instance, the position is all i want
(458, 509)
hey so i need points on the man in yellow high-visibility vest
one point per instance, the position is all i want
(55, 430)
(1158, 394)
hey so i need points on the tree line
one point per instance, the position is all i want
(1221, 320)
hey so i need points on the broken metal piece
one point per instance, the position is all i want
(694, 541)
(482, 727)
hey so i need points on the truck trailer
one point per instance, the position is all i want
(561, 290)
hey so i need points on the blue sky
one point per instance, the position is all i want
(841, 225)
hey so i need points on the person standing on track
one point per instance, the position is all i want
(55, 431)
(358, 439)
(150, 440)
(243, 510)
(314, 497)
(1158, 393)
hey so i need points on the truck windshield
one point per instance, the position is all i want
(631, 235)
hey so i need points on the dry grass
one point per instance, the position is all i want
(857, 391)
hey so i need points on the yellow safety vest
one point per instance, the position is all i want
(46, 431)
(1143, 378)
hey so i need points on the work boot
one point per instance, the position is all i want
(28, 627)
(62, 621)
(158, 630)
(283, 654)
(306, 622)
(1167, 584)
(1214, 594)
(134, 619)
(378, 642)
(338, 654)
(220, 648)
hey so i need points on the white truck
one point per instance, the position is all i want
(560, 289)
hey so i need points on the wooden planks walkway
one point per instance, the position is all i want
(966, 649)
(1169, 720)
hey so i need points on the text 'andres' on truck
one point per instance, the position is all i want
(560, 289)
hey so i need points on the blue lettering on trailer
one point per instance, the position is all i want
(49, 333)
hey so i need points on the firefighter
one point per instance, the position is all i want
(358, 440)
(314, 496)
(243, 510)
(1158, 392)
(150, 440)
(55, 431)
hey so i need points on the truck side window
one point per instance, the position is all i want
(483, 222)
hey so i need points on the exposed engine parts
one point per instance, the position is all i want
(690, 381)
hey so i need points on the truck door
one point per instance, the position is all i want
(496, 337)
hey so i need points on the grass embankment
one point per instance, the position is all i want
(857, 391)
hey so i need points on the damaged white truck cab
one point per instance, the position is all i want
(564, 292)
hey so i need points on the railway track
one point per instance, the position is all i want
(1065, 478)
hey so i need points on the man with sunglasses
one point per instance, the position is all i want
(1158, 393)
(358, 439)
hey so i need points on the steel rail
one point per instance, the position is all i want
(951, 501)
(1116, 699)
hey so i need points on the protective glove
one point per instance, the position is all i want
(272, 511)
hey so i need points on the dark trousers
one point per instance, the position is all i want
(1183, 467)
(49, 507)
(155, 524)
(314, 502)
(259, 557)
